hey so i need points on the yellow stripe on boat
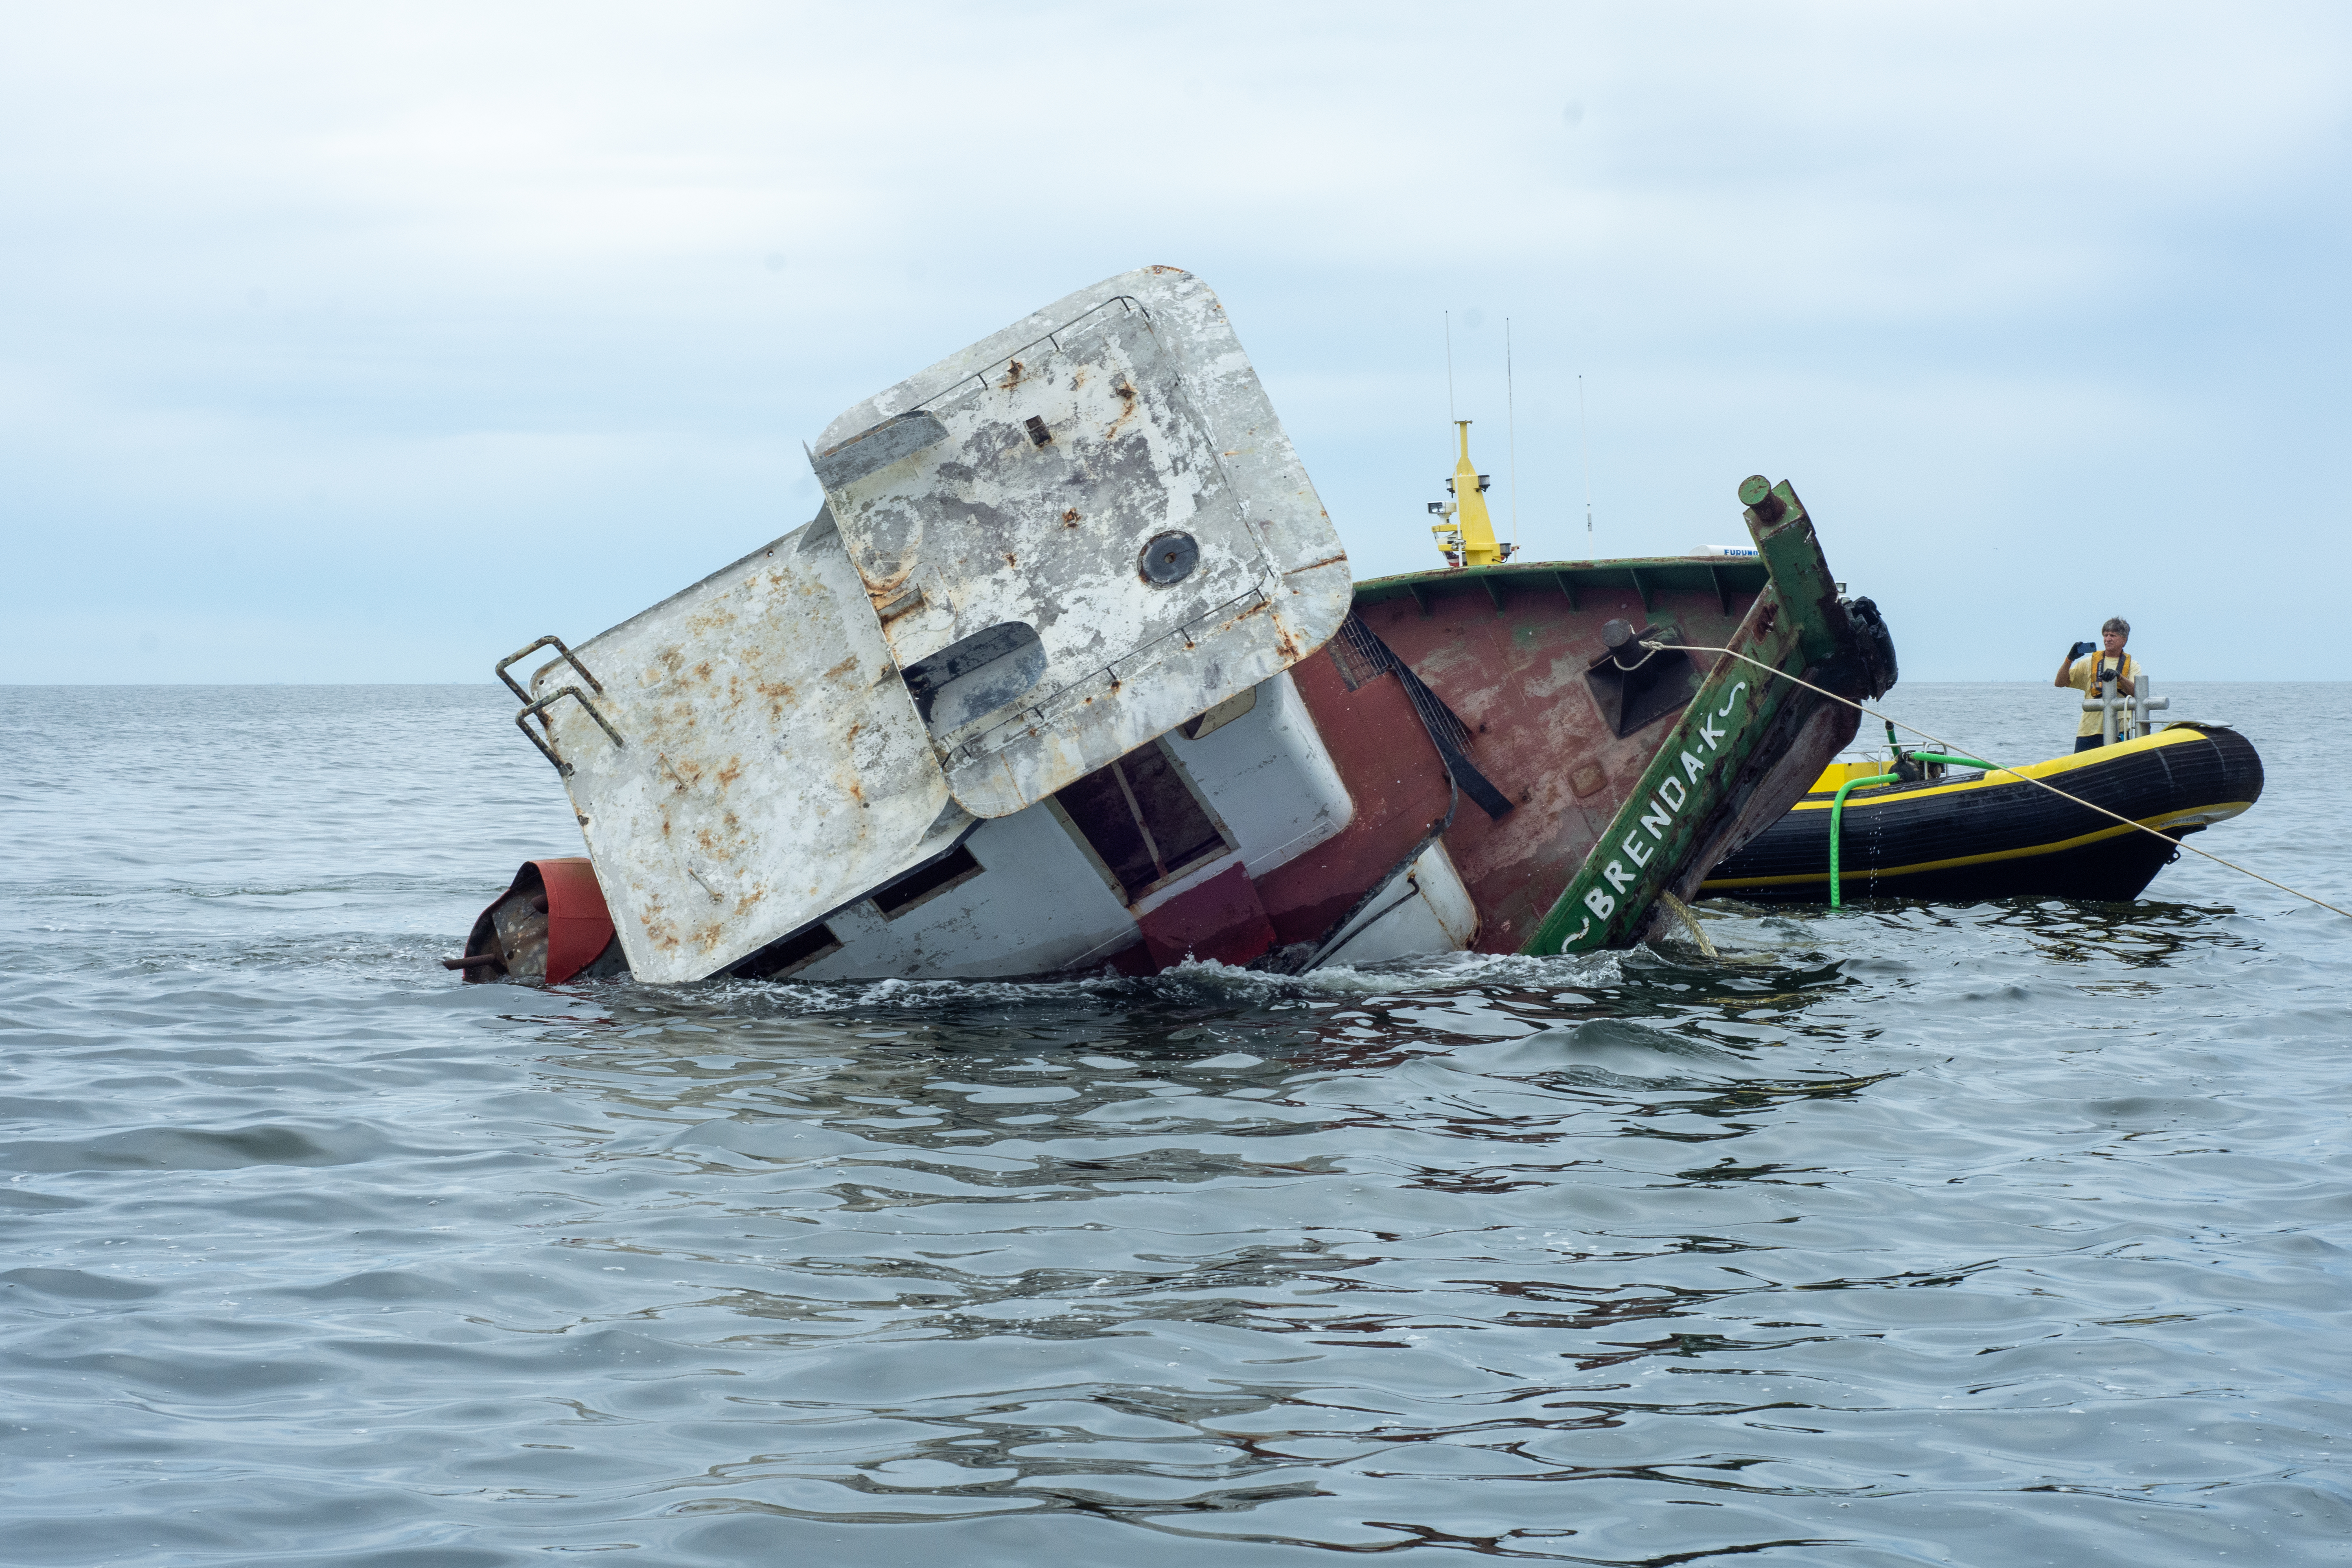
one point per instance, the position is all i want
(1818, 799)
(2201, 816)
(2018, 839)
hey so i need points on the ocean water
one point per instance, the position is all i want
(2000, 1235)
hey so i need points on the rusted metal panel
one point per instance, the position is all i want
(1400, 795)
(1080, 532)
(1741, 577)
(1517, 678)
(1512, 651)
(1221, 919)
(1746, 747)
(771, 765)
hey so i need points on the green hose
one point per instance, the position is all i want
(1953, 762)
(1896, 746)
(1837, 808)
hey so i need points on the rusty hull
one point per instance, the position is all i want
(1595, 822)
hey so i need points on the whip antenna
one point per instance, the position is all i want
(1449, 367)
(1511, 417)
(1584, 452)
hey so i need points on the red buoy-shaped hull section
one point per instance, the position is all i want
(549, 925)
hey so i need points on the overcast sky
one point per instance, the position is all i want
(345, 342)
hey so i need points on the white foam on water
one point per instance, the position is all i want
(1198, 978)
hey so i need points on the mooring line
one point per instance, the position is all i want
(2054, 789)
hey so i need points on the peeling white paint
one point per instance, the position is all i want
(1153, 424)
(772, 764)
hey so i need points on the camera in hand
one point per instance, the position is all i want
(2079, 649)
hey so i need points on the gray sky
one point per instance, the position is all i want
(345, 342)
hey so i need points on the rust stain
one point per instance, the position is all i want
(734, 770)
(846, 667)
(1011, 376)
(659, 930)
(1070, 518)
(1315, 565)
(1009, 561)
(1127, 412)
(880, 585)
(780, 695)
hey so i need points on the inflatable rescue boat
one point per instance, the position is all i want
(1953, 834)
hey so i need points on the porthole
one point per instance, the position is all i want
(1169, 559)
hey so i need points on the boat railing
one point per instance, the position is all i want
(2123, 718)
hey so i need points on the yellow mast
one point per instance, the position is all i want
(1467, 536)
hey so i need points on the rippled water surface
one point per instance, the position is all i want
(2000, 1235)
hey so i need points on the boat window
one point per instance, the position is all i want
(798, 951)
(1217, 718)
(956, 866)
(1140, 815)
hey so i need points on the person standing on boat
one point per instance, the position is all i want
(2085, 674)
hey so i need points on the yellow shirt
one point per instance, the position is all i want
(2082, 676)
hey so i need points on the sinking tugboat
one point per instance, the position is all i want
(1069, 674)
